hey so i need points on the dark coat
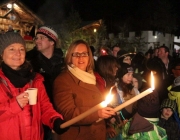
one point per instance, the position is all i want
(171, 127)
(48, 68)
(73, 97)
(162, 76)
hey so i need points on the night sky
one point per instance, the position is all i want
(112, 11)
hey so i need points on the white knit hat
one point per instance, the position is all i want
(49, 32)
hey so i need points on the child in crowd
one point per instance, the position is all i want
(125, 91)
(167, 121)
(144, 124)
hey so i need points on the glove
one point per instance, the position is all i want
(56, 126)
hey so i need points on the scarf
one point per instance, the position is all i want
(85, 77)
(19, 78)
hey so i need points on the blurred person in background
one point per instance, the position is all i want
(115, 50)
(106, 69)
(162, 66)
(47, 60)
(124, 57)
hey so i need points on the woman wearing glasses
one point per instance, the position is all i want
(75, 92)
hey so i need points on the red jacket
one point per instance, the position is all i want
(17, 123)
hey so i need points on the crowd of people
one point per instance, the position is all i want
(72, 83)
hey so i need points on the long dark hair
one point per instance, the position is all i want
(126, 88)
(106, 66)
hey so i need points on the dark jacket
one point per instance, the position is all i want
(48, 68)
(171, 127)
(162, 75)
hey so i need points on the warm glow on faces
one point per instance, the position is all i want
(166, 113)
(43, 43)
(82, 61)
(127, 78)
(127, 60)
(14, 55)
(135, 82)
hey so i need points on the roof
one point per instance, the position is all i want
(18, 16)
(88, 24)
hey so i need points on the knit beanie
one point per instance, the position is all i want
(49, 32)
(10, 38)
(125, 68)
(149, 105)
(167, 103)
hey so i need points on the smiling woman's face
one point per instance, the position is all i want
(14, 55)
(80, 61)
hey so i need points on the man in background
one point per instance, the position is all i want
(47, 60)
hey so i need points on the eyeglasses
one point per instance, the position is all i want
(84, 54)
(40, 38)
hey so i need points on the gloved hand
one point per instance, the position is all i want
(56, 126)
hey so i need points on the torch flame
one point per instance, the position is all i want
(108, 99)
(152, 81)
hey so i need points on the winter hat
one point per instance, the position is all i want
(125, 68)
(167, 103)
(149, 105)
(9, 38)
(49, 32)
(122, 53)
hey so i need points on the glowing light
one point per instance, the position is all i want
(9, 5)
(90, 111)
(152, 81)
